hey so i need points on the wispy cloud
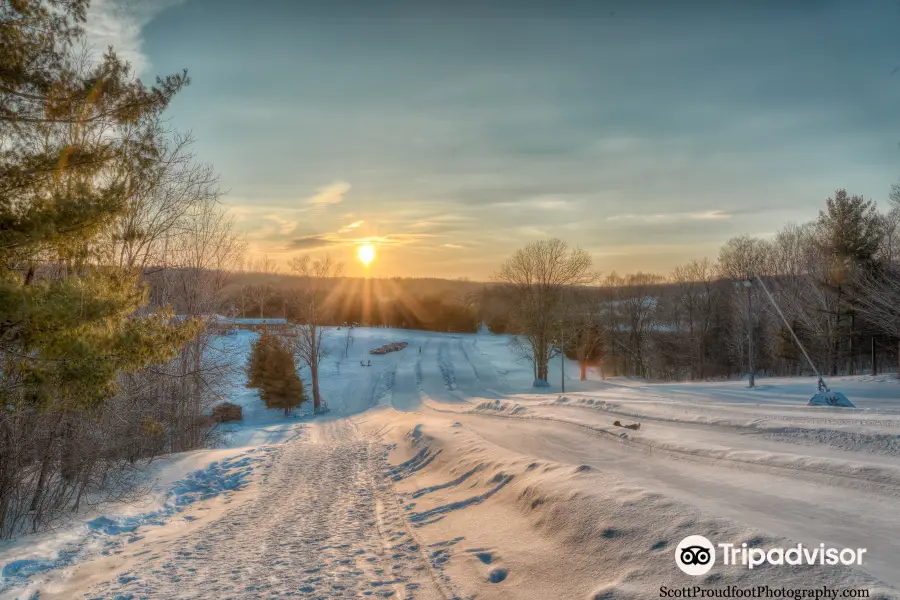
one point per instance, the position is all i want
(350, 227)
(120, 23)
(330, 194)
(321, 240)
(310, 242)
(285, 226)
(710, 215)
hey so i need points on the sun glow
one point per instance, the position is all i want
(366, 254)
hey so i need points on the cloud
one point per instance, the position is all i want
(330, 194)
(392, 239)
(321, 240)
(350, 227)
(285, 226)
(709, 215)
(452, 246)
(120, 24)
(309, 242)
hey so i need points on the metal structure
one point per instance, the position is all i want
(824, 395)
(822, 386)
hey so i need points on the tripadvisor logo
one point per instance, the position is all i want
(696, 555)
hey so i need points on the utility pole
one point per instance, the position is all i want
(750, 337)
(748, 283)
(562, 360)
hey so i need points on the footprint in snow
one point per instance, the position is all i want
(498, 575)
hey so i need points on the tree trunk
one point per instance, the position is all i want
(540, 361)
(314, 375)
(314, 366)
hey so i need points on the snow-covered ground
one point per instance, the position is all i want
(439, 473)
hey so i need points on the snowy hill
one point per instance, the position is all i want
(442, 473)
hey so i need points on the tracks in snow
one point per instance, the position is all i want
(326, 524)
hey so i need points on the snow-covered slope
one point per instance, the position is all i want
(440, 473)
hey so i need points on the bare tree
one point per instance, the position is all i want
(308, 301)
(262, 291)
(584, 329)
(635, 308)
(879, 302)
(742, 259)
(160, 206)
(535, 280)
(696, 294)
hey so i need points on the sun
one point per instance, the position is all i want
(366, 254)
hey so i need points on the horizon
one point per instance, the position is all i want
(448, 137)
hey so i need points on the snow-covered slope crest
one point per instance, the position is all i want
(542, 529)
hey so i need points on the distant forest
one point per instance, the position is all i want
(834, 278)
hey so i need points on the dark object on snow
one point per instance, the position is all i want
(226, 412)
(369, 363)
(830, 399)
(825, 397)
(392, 347)
(634, 426)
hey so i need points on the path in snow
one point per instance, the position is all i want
(324, 525)
(326, 521)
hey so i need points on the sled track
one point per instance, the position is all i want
(301, 536)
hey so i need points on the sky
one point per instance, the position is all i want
(449, 133)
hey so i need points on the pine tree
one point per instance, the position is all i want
(272, 370)
(850, 235)
(76, 140)
(850, 230)
(73, 144)
(259, 356)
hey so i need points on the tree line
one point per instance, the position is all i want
(836, 280)
(107, 220)
(407, 303)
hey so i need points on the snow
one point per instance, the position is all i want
(104, 535)
(442, 472)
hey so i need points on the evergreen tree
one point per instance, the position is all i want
(259, 355)
(850, 236)
(272, 370)
(76, 140)
(850, 230)
(73, 144)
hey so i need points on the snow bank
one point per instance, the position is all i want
(110, 534)
(498, 407)
(539, 529)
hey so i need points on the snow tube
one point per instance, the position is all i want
(830, 399)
